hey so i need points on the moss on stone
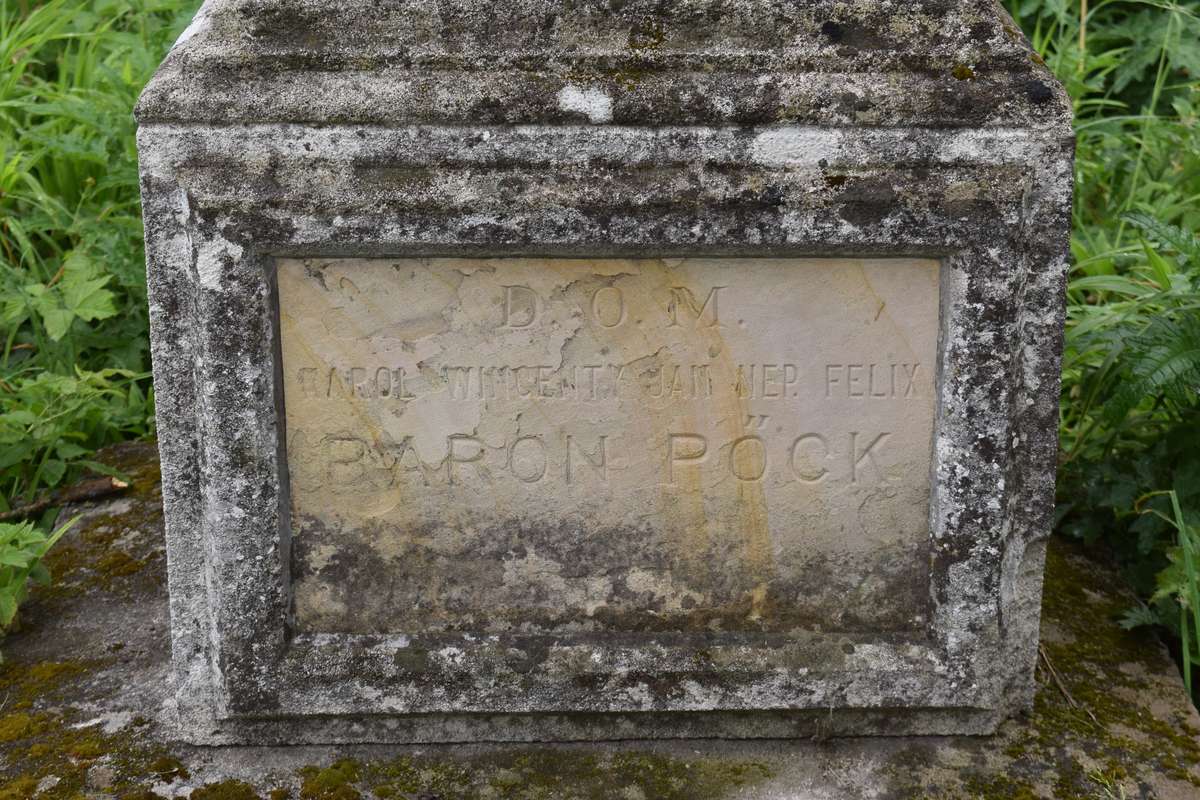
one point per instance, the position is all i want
(88, 748)
(1092, 661)
(1072, 748)
(1089, 712)
(42, 739)
(21, 788)
(16, 726)
(551, 773)
(24, 683)
(168, 769)
(225, 790)
(1000, 787)
(647, 34)
(118, 564)
(335, 782)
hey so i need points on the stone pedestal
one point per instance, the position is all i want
(545, 371)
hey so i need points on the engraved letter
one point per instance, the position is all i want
(345, 459)
(744, 384)
(857, 459)
(791, 377)
(745, 469)
(398, 381)
(533, 470)
(357, 377)
(808, 477)
(544, 387)
(600, 463)
(617, 303)
(453, 457)
(883, 392)
(769, 378)
(383, 382)
(699, 447)
(458, 382)
(407, 461)
(590, 369)
(853, 379)
(681, 295)
(307, 376)
(911, 376)
(520, 307)
(830, 378)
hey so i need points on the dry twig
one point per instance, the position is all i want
(87, 490)
(1062, 687)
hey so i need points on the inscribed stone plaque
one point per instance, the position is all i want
(568, 445)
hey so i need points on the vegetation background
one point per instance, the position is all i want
(74, 362)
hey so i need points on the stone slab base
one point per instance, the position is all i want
(85, 711)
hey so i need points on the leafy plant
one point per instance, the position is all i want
(22, 548)
(1130, 415)
(1179, 583)
(74, 357)
(51, 422)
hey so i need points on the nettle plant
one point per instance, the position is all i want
(22, 548)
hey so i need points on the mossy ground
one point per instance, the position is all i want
(1117, 723)
(1100, 710)
(98, 554)
(39, 740)
(1091, 733)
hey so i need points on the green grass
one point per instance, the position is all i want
(73, 354)
(74, 360)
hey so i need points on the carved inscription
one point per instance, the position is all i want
(770, 416)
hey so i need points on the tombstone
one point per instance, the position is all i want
(604, 370)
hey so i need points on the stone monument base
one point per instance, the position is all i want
(86, 711)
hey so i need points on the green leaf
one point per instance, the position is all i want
(1119, 284)
(89, 300)
(104, 469)
(1159, 266)
(21, 416)
(62, 530)
(1137, 617)
(52, 471)
(10, 557)
(57, 321)
(1161, 360)
(39, 574)
(8, 609)
(69, 450)
(1183, 242)
(14, 310)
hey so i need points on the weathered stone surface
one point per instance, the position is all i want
(86, 694)
(752, 130)
(625, 445)
(931, 63)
